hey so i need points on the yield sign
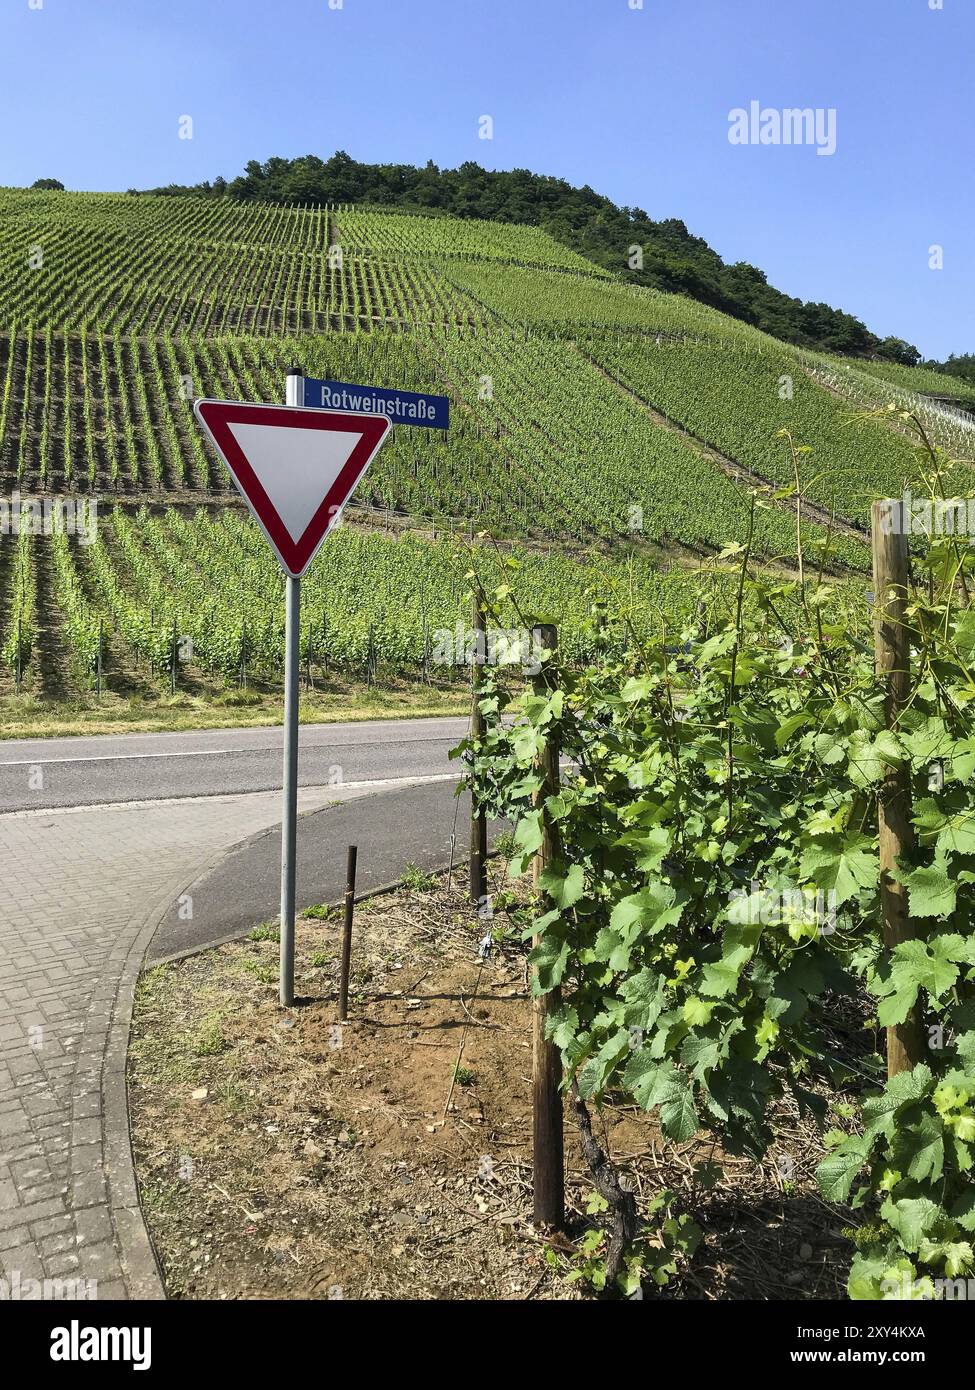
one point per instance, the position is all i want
(296, 467)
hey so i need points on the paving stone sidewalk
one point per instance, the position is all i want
(83, 892)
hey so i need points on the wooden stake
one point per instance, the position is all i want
(891, 574)
(347, 933)
(549, 1159)
(478, 874)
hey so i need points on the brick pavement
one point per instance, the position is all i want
(83, 892)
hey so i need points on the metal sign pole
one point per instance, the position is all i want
(294, 442)
(289, 802)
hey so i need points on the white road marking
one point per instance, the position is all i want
(124, 757)
(274, 748)
(308, 793)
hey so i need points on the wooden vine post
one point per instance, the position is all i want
(547, 1141)
(891, 575)
(478, 874)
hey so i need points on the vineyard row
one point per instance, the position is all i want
(165, 593)
(583, 463)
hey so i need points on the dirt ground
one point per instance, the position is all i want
(283, 1155)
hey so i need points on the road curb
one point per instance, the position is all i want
(241, 846)
(141, 1266)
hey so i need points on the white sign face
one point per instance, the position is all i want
(295, 467)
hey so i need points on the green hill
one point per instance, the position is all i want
(669, 257)
(610, 433)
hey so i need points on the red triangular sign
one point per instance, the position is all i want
(296, 467)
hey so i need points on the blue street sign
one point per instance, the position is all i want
(402, 407)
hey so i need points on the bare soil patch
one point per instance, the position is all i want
(282, 1155)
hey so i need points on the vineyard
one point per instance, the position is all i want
(737, 402)
(543, 299)
(117, 417)
(173, 599)
(738, 922)
(608, 435)
(694, 750)
(390, 236)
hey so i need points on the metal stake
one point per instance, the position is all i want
(347, 934)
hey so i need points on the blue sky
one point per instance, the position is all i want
(634, 102)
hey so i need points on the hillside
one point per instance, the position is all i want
(597, 426)
(672, 258)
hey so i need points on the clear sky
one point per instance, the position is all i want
(634, 101)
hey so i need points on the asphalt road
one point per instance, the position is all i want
(41, 774)
(387, 787)
(390, 828)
